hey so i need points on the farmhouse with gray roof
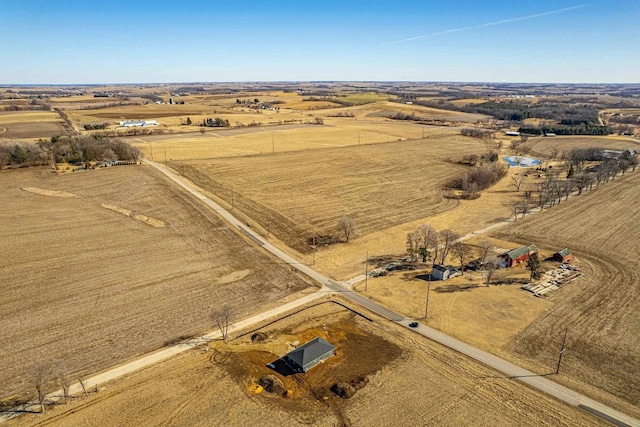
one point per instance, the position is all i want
(309, 355)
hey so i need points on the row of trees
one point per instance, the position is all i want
(478, 133)
(78, 149)
(552, 190)
(213, 123)
(95, 126)
(566, 129)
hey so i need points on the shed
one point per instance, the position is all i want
(563, 255)
(518, 255)
(511, 133)
(309, 355)
(443, 272)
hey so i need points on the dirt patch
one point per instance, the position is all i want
(233, 277)
(359, 354)
(138, 217)
(51, 193)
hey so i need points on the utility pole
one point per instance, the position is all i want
(426, 308)
(564, 340)
(366, 272)
(151, 148)
(273, 145)
(268, 226)
(232, 198)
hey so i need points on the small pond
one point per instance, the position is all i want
(521, 161)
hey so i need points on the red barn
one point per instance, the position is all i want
(518, 255)
(563, 255)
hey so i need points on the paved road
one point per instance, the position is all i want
(510, 370)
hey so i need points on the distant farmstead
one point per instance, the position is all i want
(309, 355)
(138, 123)
(563, 255)
(517, 256)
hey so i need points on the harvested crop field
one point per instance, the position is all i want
(378, 185)
(601, 311)
(405, 381)
(84, 283)
(30, 124)
(221, 142)
(543, 146)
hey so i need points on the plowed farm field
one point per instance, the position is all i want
(399, 378)
(100, 266)
(601, 310)
(30, 124)
(378, 185)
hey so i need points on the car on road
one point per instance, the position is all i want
(413, 324)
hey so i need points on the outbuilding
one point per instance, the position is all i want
(443, 272)
(309, 355)
(518, 255)
(563, 255)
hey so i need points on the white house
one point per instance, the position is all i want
(443, 272)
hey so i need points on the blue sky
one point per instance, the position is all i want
(170, 41)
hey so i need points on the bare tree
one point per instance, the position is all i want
(41, 381)
(347, 226)
(581, 182)
(447, 238)
(462, 252)
(413, 240)
(222, 317)
(516, 181)
(567, 188)
(515, 210)
(554, 153)
(490, 271)
(63, 378)
(428, 238)
(524, 208)
(486, 246)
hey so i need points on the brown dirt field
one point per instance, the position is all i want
(411, 381)
(30, 124)
(602, 228)
(33, 130)
(542, 146)
(94, 287)
(379, 185)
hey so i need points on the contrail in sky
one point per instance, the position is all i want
(490, 24)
